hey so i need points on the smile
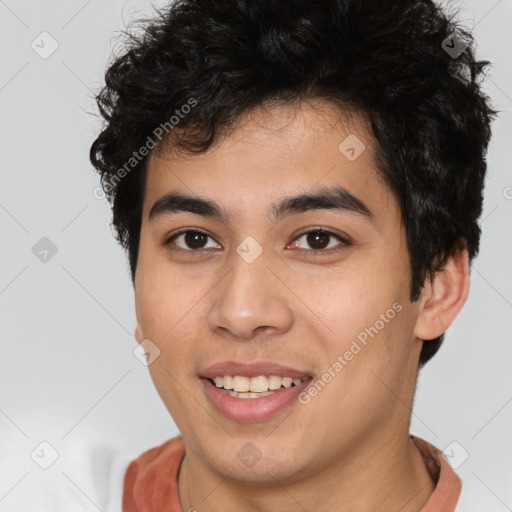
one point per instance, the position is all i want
(240, 386)
(253, 406)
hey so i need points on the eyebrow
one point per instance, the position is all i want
(329, 198)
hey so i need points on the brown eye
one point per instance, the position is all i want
(193, 240)
(319, 240)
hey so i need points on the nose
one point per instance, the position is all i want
(251, 300)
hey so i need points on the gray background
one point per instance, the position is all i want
(67, 372)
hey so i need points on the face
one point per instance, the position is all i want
(247, 272)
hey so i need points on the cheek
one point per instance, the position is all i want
(367, 365)
(168, 307)
(160, 294)
(354, 295)
(366, 308)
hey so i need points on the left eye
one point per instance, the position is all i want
(317, 238)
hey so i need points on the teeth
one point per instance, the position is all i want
(247, 395)
(240, 383)
(227, 382)
(260, 385)
(274, 382)
(287, 382)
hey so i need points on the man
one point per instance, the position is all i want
(297, 185)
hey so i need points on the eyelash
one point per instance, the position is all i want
(344, 242)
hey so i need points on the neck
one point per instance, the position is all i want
(385, 473)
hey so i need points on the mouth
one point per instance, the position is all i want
(253, 392)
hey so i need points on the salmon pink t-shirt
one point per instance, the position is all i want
(151, 480)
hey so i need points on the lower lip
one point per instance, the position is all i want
(253, 409)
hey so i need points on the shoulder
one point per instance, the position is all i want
(153, 474)
(464, 492)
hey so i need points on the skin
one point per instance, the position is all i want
(348, 449)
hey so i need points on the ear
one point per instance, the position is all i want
(443, 297)
(138, 334)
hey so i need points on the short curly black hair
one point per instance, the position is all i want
(405, 64)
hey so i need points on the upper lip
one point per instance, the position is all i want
(252, 370)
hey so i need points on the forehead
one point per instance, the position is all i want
(274, 151)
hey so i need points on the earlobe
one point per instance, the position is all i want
(444, 297)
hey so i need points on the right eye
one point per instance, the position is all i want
(194, 239)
